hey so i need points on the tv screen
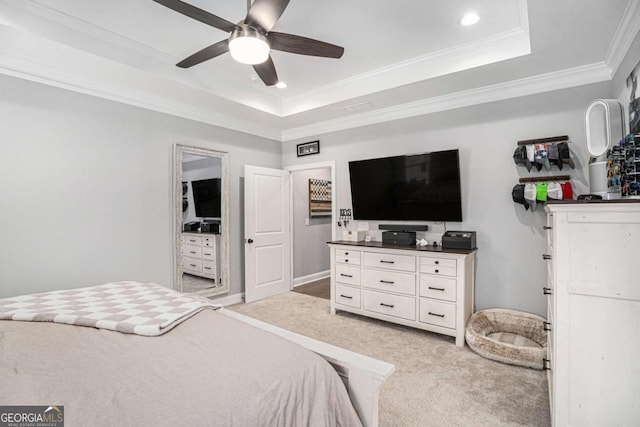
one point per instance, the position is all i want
(421, 187)
(206, 197)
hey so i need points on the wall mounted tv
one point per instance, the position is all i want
(421, 187)
(206, 197)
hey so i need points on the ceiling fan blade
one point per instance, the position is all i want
(265, 13)
(303, 45)
(198, 14)
(267, 72)
(207, 53)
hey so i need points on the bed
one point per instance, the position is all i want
(216, 367)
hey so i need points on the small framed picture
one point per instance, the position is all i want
(307, 148)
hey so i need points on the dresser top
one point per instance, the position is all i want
(380, 245)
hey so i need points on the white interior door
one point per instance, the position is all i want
(266, 232)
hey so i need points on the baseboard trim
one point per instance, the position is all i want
(230, 299)
(311, 278)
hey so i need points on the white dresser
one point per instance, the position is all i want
(199, 254)
(593, 313)
(425, 288)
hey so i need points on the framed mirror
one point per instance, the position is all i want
(200, 221)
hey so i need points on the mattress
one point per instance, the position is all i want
(209, 370)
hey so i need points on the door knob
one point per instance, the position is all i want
(249, 240)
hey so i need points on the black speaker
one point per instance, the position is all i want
(403, 227)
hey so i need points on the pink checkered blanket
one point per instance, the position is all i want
(130, 307)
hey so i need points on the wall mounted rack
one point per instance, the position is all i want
(546, 178)
(562, 138)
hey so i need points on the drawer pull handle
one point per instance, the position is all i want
(546, 256)
(346, 275)
(436, 314)
(387, 282)
(193, 265)
(546, 291)
(191, 252)
(346, 296)
(207, 268)
(192, 241)
(346, 260)
(436, 289)
(546, 227)
(546, 364)
(346, 253)
(437, 271)
(387, 262)
(437, 262)
(546, 326)
(386, 305)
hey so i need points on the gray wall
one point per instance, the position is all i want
(620, 90)
(509, 271)
(310, 251)
(86, 186)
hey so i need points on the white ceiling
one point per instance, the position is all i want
(402, 58)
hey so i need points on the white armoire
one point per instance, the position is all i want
(593, 255)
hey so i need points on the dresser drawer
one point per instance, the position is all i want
(392, 305)
(193, 240)
(390, 261)
(438, 270)
(438, 287)
(347, 253)
(348, 274)
(354, 260)
(193, 251)
(437, 262)
(391, 281)
(208, 253)
(346, 295)
(193, 264)
(438, 313)
(208, 241)
(209, 267)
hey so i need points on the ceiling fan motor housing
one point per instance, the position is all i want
(248, 45)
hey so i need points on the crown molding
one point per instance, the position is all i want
(624, 36)
(17, 53)
(563, 79)
(499, 47)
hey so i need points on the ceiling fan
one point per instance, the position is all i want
(250, 40)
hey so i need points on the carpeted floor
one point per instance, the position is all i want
(435, 383)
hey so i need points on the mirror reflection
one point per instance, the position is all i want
(201, 223)
(201, 220)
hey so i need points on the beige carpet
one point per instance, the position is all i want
(435, 383)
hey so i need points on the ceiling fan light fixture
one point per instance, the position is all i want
(281, 85)
(248, 46)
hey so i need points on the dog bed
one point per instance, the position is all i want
(508, 336)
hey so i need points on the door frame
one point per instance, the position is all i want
(331, 164)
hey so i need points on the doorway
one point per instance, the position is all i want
(312, 226)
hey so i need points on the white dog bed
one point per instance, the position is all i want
(508, 336)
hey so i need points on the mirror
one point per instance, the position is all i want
(200, 221)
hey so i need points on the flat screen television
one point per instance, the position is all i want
(206, 197)
(421, 187)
